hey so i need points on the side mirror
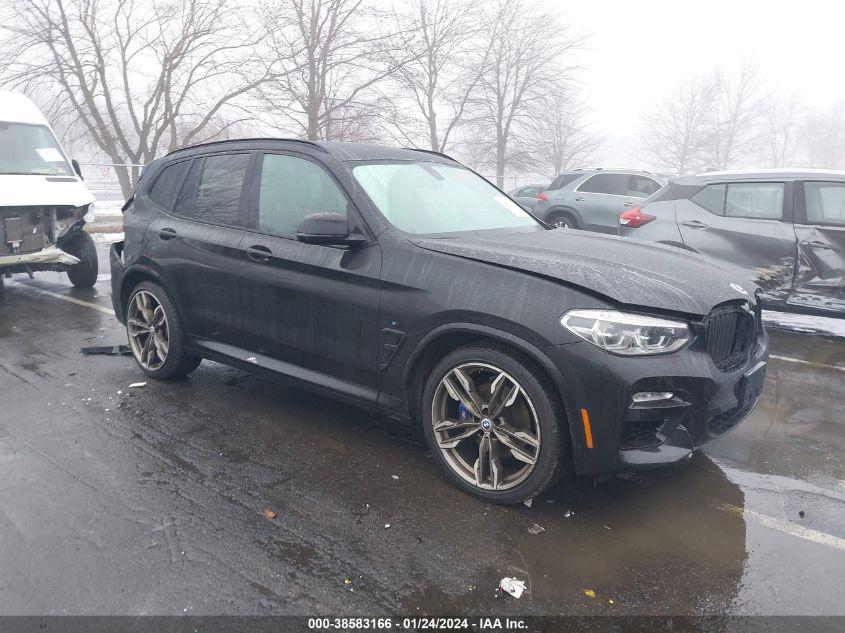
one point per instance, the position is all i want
(328, 229)
(75, 164)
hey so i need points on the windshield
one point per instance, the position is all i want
(31, 149)
(426, 198)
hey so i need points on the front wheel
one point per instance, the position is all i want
(494, 425)
(81, 246)
(155, 333)
(561, 220)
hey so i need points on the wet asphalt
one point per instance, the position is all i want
(151, 500)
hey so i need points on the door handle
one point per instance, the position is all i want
(629, 204)
(260, 254)
(694, 224)
(579, 199)
(167, 233)
(816, 244)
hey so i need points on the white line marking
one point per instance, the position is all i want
(806, 362)
(79, 302)
(822, 538)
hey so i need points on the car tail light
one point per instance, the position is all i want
(633, 218)
(542, 197)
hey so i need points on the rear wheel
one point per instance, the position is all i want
(493, 425)
(81, 246)
(562, 219)
(155, 334)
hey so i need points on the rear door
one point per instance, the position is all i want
(820, 231)
(747, 224)
(197, 244)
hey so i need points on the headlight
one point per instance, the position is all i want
(625, 333)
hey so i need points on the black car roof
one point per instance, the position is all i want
(343, 151)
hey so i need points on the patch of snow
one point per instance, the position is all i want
(106, 238)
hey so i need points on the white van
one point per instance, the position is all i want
(43, 201)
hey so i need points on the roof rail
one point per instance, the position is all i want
(431, 151)
(258, 138)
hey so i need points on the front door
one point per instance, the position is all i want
(313, 308)
(747, 225)
(820, 231)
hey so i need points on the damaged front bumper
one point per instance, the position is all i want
(31, 238)
(49, 255)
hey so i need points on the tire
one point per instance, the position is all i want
(562, 219)
(83, 274)
(162, 362)
(518, 480)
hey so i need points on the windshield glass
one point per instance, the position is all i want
(426, 198)
(31, 149)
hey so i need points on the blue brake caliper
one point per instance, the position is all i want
(463, 413)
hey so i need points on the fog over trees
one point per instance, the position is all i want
(494, 82)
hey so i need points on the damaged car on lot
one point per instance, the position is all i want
(401, 281)
(43, 201)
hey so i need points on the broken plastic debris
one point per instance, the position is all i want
(589, 593)
(513, 586)
(386, 525)
(136, 385)
(527, 503)
(568, 513)
(607, 527)
(536, 529)
(108, 350)
(269, 513)
(395, 476)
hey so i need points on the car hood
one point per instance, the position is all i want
(626, 271)
(48, 191)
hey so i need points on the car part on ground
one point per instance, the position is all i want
(439, 302)
(591, 199)
(783, 228)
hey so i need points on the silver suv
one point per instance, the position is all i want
(592, 199)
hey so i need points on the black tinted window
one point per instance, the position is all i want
(641, 186)
(563, 179)
(212, 192)
(711, 198)
(292, 188)
(825, 202)
(616, 184)
(166, 186)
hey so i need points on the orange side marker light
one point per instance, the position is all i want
(588, 432)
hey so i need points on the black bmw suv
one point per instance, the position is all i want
(402, 281)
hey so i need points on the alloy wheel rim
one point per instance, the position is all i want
(485, 426)
(149, 335)
(561, 224)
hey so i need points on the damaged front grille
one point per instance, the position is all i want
(730, 335)
(29, 229)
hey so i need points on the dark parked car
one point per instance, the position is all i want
(527, 195)
(592, 199)
(785, 229)
(401, 281)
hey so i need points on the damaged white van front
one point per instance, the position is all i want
(43, 201)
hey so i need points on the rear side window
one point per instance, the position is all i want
(528, 192)
(166, 186)
(563, 179)
(754, 200)
(825, 202)
(292, 188)
(616, 184)
(212, 192)
(641, 186)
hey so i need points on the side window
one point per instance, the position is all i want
(825, 202)
(563, 179)
(212, 192)
(616, 184)
(711, 198)
(759, 200)
(292, 188)
(641, 186)
(528, 192)
(166, 186)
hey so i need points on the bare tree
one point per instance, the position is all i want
(438, 81)
(530, 51)
(559, 138)
(334, 55)
(738, 109)
(824, 134)
(139, 77)
(782, 129)
(676, 133)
